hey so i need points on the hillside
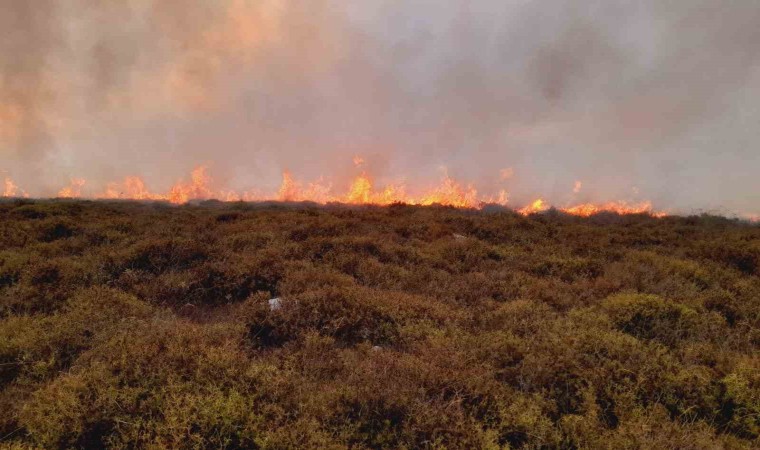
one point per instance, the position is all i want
(135, 325)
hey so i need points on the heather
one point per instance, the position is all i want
(144, 325)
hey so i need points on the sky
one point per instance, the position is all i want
(638, 100)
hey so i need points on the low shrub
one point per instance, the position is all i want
(214, 325)
(650, 317)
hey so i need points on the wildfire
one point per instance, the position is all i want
(360, 191)
(536, 207)
(11, 189)
(132, 188)
(196, 189)
(451, 193)
(589, 209)
(289, 190)
(73, 190)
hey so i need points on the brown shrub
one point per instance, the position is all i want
(132, 325)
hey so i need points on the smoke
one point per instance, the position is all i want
(636, 99)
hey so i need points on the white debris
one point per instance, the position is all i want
(376, 348)
(275, 304)
(459, 237)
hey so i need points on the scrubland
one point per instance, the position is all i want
(129, 325)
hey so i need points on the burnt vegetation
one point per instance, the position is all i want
(132, 325)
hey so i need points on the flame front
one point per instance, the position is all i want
(362, 190)
(451, 193)
(589, 209)
(132, 188)
(197, 189)
(11, 189)
(74, 189)
(536, 207)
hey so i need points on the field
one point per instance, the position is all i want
(134, 325)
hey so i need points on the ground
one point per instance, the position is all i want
(134, 325)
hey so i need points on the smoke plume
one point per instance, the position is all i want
(635, 99)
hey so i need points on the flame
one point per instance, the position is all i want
(536, 207)
(361, 190)
(501, 199)
(319, 192)
(197, 189)
(10, 188)
(451, 193)
(73, 190)
(132, 188)
(588, 209)
(289, 189)
(392, 194)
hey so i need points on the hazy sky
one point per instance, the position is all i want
(650, 96)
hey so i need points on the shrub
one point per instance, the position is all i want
(56, 229)
(11, 266)
(742, 398)
(651, 317)
(345, 315)
(133, 325)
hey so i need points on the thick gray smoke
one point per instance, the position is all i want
(644, 99)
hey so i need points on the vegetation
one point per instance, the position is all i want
(132, 325)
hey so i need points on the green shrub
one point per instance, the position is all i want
(742, 398)
(650, 317)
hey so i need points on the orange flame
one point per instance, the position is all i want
(289, 189)
(451, 193)
(11, 189)
(73, 190)
(536, 207)
(361, 190)
(132, 188)
(589, 209)
(197, 189)
(501, 199)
